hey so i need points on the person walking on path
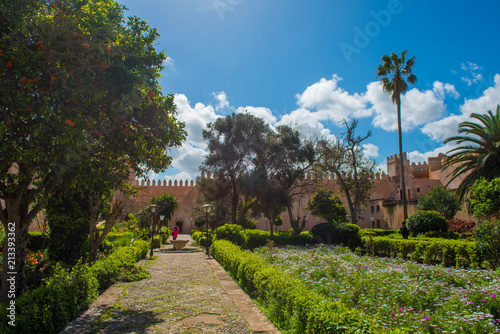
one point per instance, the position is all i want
(404, 230)
(175, 231)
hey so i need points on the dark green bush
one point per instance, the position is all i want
(449, 253)
(37, 241)
(377, 231)
(426, 221)
(488, 241)
(233, 233)
(337, 233)
(50, 307)
(68, 216)
(257, 238)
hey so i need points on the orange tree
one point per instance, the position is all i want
(78, 82)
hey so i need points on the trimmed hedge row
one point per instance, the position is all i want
(448, 252)
(287, 301)
(257, 238)
(64, 295)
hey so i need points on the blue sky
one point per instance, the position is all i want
(314, 63)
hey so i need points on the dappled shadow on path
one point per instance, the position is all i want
(114, 321)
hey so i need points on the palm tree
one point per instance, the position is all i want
(478, 153)
(394, 70)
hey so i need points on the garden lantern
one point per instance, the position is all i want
(206, 208)
(153, 208)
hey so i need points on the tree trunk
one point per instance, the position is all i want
(401, 161)
(234, 201)
(352, 208)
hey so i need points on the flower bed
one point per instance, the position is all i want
(403, 295)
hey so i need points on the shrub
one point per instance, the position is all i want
(287, 301)
(426, 221)
(50, 307)
(68, 216)
(337, 233)
(233, 233)
(488, 241)
(37, 241)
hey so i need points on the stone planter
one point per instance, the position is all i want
(179, 244)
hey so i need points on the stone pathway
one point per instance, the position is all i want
(187, 293)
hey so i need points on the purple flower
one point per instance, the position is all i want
(468, 303)
(493, 295)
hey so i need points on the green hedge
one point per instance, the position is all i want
(64, 295)
(287, 301)
(448, 252)
(257, 238)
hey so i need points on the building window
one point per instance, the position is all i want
(373, 209)
(378, 208)
(418, 190)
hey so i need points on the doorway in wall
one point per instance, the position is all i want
(179, 225)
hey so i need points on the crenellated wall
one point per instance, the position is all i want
(383, 210)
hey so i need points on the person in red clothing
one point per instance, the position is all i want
(175, 231)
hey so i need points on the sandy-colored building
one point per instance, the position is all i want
(384, 210)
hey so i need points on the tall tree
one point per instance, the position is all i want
(394, 70)
(79, 81)
(478, 153)
(288, 162)
(344, 158)
(234, 142)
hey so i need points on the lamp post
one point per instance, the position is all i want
(372, 219)
(153, 210)
(206, 208)
(159, 226)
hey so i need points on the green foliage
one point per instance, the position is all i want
(477, 153)
(233, 233)
(378, 232)
(37, 241)
(488, 241)
(485, 198)
(439, 199)
(327, 206)
(426, 221)
(288, 302)
(450, 253)
(337, 233)
(257, 238)
(50, 307)
(68, 216)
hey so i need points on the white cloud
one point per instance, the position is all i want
(222, 101)
(448, 126)
(188, 159)
(331, 102)
(308, 122)
(440, 89)
(371, 151)
(417, 107)
(472, 73)
(417, 156)
(265, 113)
(196, 119)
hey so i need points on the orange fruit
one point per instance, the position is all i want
(103, 64)
(108, 48)
(30, 80)
(23, 80)
(85, 46)
(9, 63)
(53, 78)
(69, 122)
(152, 93)
(67, 101)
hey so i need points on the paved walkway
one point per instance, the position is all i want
(186, 293)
